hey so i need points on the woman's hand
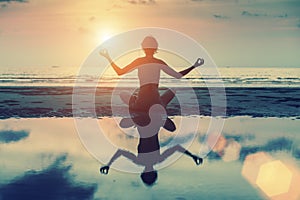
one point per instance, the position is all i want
(199, 62)
(104, 53)
(104, 170)
(197, 160)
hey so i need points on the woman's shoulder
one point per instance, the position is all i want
(160, 61)
(145, 60)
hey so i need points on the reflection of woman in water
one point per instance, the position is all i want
(149, 69)
(149, 149)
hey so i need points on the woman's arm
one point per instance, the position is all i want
(168, 70)
(118, 70)
(167, 153)
(120, 152)
(198, 63)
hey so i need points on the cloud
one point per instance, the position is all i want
(83, 30)
(172, 140)
(214, 156)
(8, 136)
(142, 2)
(282, 15)
(279, 144)
(250, 14)
(9, 1)
(92, 18)
(296, 153)
(217, 16)
(218, 1)
(238, 138)
(241, 138)
(274, 145)
(52, 183)
(4, 3)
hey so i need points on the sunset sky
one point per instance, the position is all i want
(234, 32)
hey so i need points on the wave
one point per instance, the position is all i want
(188, 82)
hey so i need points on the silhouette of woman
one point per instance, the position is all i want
(149, 69)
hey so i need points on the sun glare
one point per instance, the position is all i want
(105, 35)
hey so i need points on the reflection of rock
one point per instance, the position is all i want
(52, 183)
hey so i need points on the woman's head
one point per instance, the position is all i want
(149, 45)
(149, 178)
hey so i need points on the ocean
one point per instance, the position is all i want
(231, 77)
(257, 155)
(256, 92)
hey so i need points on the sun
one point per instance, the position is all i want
(105, 35)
